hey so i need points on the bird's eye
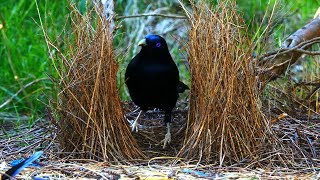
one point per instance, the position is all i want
(158, 44)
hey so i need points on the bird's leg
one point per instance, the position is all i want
(135, 124)
(132, 112)
(167, 138)
(167, 120)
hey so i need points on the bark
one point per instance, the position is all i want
(309, 31)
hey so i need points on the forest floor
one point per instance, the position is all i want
(302, 133)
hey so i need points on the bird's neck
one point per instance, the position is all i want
(155, 55)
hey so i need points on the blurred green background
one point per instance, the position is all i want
(24, 54)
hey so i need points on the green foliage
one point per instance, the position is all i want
(288, 15)
(23, 52)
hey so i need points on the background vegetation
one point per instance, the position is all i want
(24, 56)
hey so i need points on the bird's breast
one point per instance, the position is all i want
(152, 83)
(155, 70)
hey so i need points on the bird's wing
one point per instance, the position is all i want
(130, 68)
(182, 87)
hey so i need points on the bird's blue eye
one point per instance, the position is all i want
(158, 44)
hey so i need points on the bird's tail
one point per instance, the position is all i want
(182, 87)
(18, 168)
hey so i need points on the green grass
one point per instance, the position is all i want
(289, 15)
(24, 55)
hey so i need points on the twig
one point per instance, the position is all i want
(297, 48)
(285, 51)
(146, 15)
(26, 147)
(313, 92)
(310, 144)
(315, 84)
(269, 69)
(22, 89)
(281, 116)
(308, 83)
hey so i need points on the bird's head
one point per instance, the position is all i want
(154, 43)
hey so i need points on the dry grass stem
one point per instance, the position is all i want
(225, 119)
(91, 118)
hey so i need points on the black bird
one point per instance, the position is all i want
(152, 79)
(12, 172)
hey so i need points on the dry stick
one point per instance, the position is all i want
(268, 69)
(56, 67)
(93, 95)
(88, 101)
(307, 84)
(295, 100)
(297, 48)
(146, 15)
(22, 89)
(26, 147)
(223, 87)
(313, 92)
(316, 84)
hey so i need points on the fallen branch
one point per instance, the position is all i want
(273, 64)
(299, 48)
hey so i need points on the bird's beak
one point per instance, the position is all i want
(142, 42)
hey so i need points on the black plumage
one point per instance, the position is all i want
(152, 79)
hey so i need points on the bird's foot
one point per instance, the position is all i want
(134, 126)
(166, 140)
(167, 137)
